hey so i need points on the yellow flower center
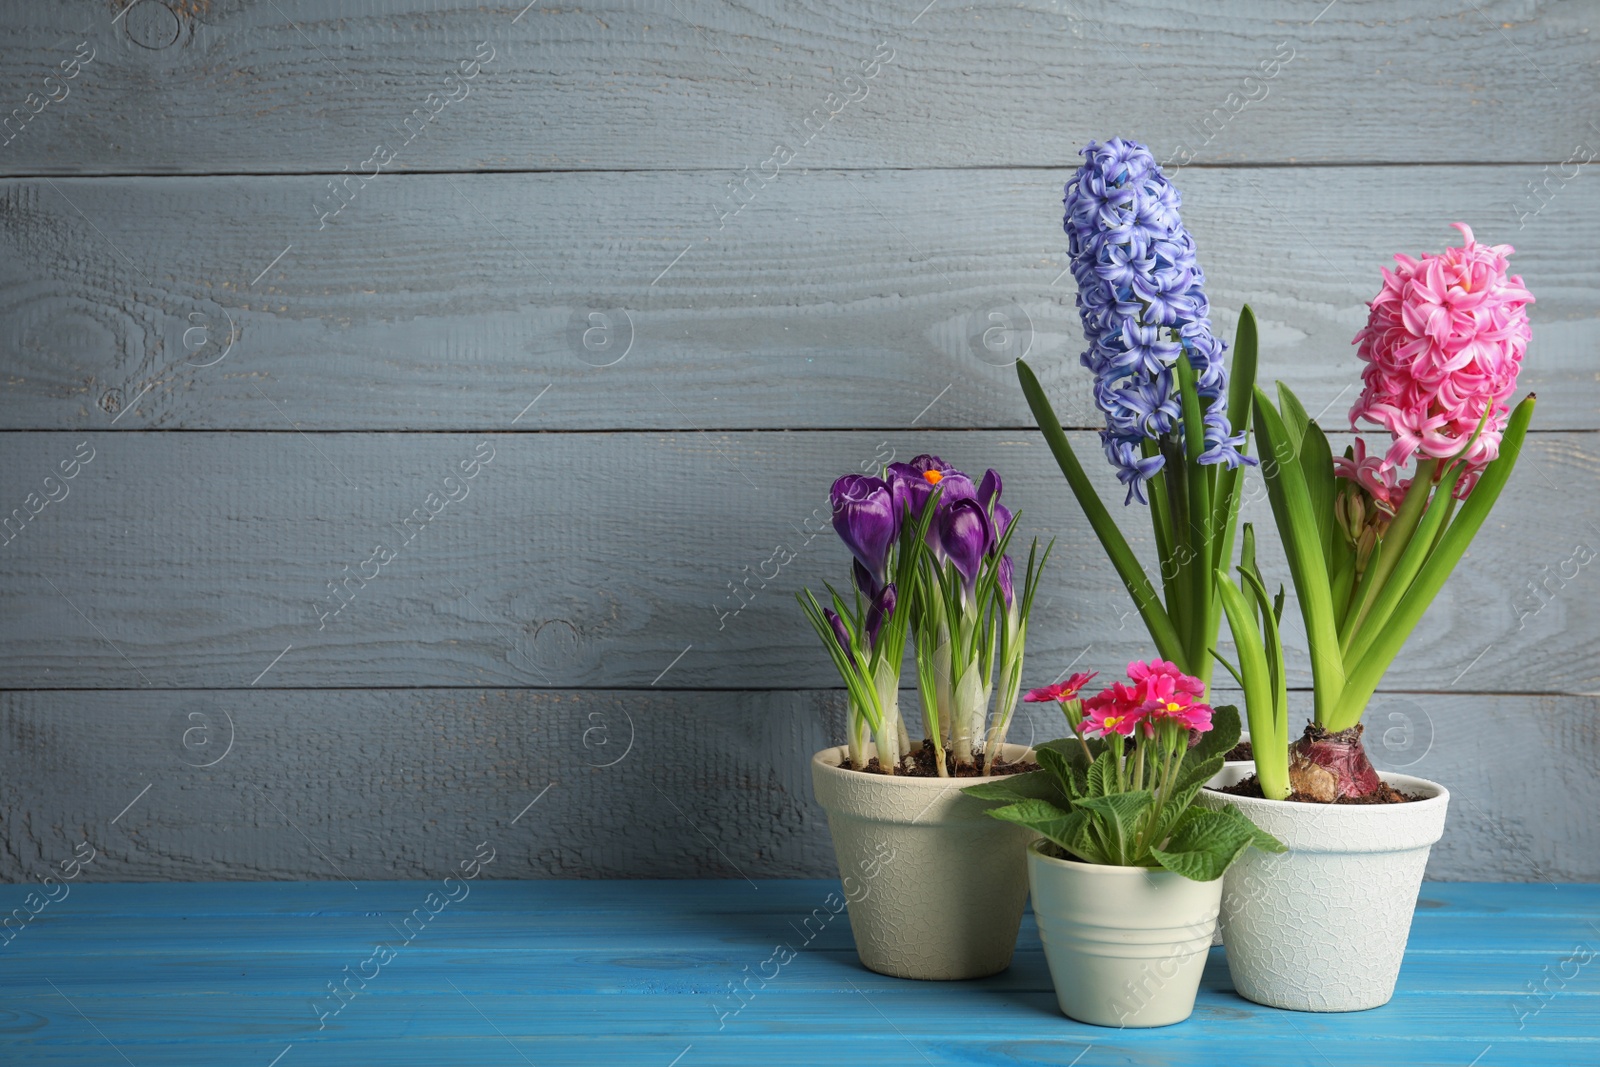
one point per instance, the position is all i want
(1174, 707)
(933, 477)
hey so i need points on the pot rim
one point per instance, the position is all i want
(1034, 852)
(1438, 796)
(831, 760)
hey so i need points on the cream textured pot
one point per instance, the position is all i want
(1323, 926)
(935, 887)
(1126, 945)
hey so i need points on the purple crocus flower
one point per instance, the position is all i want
(1004, 574)
(864, 579)
(1002, 521)
(864, 516)
(1141, 297)
(989, 489)
(840, 633)
(989, 496)
(879, 611)
(966, 533)
(913, 483)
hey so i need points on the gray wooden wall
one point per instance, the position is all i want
(278, 276)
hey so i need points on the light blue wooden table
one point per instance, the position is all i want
(550, 973)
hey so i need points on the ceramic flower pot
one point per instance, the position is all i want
(1323, 926)
(1126, 945)
(1244, 736)
(935, 888)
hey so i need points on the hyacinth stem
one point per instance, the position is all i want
(1161, 525)
(1175, 565)
(1197, 534)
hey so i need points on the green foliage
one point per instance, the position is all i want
(1356, 616)
(1082, 800)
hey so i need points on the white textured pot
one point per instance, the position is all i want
(1126, 945)
(934, 886)
(1244, 735)
(1323, 926)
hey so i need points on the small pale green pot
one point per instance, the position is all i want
(1126, 945)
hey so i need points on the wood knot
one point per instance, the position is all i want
(151, 24)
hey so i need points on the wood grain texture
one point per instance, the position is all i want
(590, 258)
(296, 86)
(840, 300)
(397, 783)
(642, 973)
(186, 560)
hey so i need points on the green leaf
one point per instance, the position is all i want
(1116, 547)
(1231, 668)
(1259, 838)
(1270, 613)
(1118, 816)
(1102, 775)
(1064, 766)
(1316, 463)
(1302, 541)
(1366, 674)
(1268, 722)
(1225, 503)
(1040, 816)
(1218, 740)
(1242, 375)
(1083, 843)
(1204, 844)
(1034, 785)
(1293, 413)
(1316, 459)
(1405, 569)
(1344, 576)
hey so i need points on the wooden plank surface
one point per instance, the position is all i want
(596, 235)
(641, 972)
(600, 559)
(619, 301)
(402, 783)
(295, 86)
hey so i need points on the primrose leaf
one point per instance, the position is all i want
(1042, 817)
(1222, 736)
(1118, 817)
(1205, 843)
(1033, 785)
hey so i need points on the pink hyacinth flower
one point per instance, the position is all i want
(1384, 484)
(1444, 340)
